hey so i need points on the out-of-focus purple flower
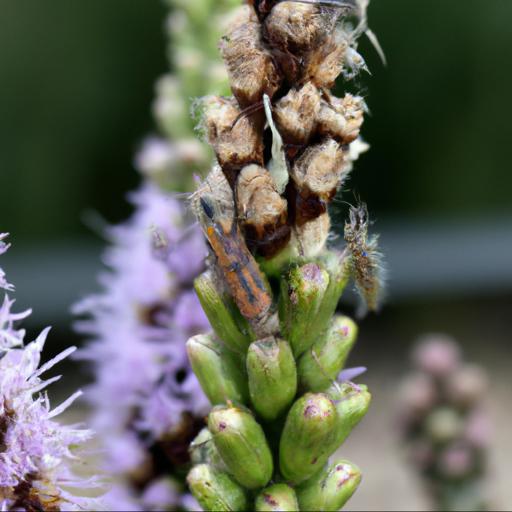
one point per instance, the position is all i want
(36, 452)
(147, 403)
(437, 354)
(10, 335)
(445, 425)
(456, 461)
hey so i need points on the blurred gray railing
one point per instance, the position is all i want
(424, 258)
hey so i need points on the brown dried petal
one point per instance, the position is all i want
(237, 140)
(313, 235)
(296, 114)
(251, 67)
(262, 210)
(320, 169)
(341, 118)
(296, 27)
(326, 64)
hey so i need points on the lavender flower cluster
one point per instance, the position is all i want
(147, 404)
(445, 424)
(36, 453)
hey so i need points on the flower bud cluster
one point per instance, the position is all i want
(271, 366)
(445, 425)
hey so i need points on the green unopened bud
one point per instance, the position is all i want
(215, 490)
(218, 370)
(338, 267)
(277, 497)
(225, 319)
(272, 376)
(242, 445)
(322, 363)
(352, 402)
(331, 488)
(302, 293)
(203, 451)
(308, 437)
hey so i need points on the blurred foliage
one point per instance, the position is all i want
(76, 82)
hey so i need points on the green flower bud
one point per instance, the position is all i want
(339, 268)
(203, 451)
(302, 293)
(272, 376)
(352, 402)
(321, 364)
(331, 488)
(225, 319)
(215, 490)
(218, 370)
(308, 437)
(242, 445)
(278, 497)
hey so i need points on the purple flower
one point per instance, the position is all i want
(10, 336)
(36, 452)
(147, 403)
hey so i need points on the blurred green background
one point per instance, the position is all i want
(76, 83)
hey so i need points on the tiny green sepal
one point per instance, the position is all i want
(352, 402)
(308, 437)
(219, 371)
(272, 377)
(277, 497)
(215, 490)
(229, 325)
(338, 266)
(203, 451)
(242, 445)
(302, 293)
(322, 363)
(331, 488)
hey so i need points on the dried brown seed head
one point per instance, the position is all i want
(326, 64)
(297, 28)
(320, 169)
(236, 139)
(251, 67)
(262, 210)
(341, 118)
(296, 114)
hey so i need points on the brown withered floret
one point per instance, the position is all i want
(341, 118)
(313, 235)
(325, 65)
(320, 169)
(237, 140)
(262, 211)
(301, 36)
(251, 67)
(297, 28)
(295, 114)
